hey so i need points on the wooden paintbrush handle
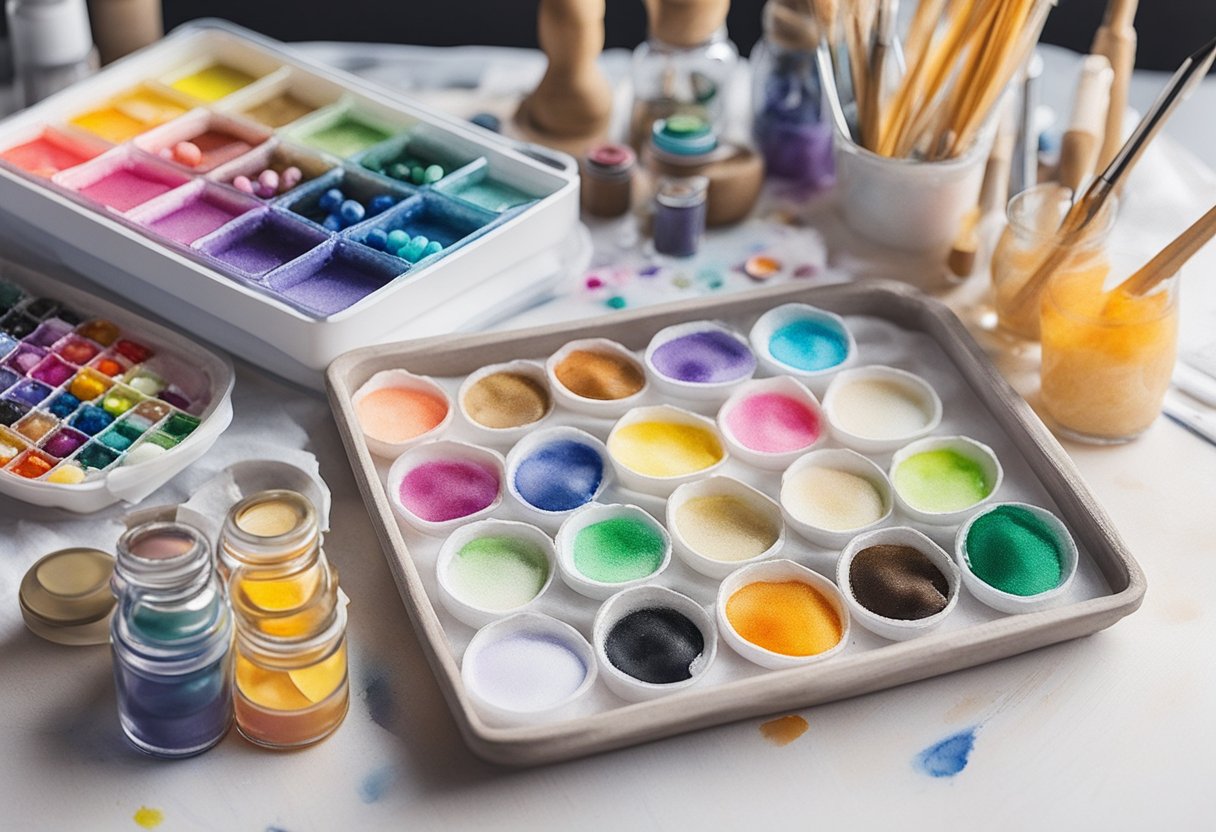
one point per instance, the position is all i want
(1170, 259)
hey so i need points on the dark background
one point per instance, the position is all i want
(1168, 29)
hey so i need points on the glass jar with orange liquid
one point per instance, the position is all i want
(1107, 355)
(290, 685)
(1033, 217)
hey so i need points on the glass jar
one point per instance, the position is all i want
(1033, 217)
(789, 119)
(291, 686)
(670, 79)
(171, 635)
(1107, 356)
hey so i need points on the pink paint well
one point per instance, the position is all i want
(448, 489)
(48, 154)
(195, 219)
(125, 188)
(773, 423)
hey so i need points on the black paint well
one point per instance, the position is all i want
(656, 645)
(898, 582)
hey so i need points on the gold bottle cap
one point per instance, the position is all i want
(65, 597)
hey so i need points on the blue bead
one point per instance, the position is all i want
(377, 238)
(380, 204)
(332, 223)
(351, 212)
(487, 120)
(331, 199)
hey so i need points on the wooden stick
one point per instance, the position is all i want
(1116, 41)
(994, 192)
(1170, 259)
(870, 114)
(1083, 138)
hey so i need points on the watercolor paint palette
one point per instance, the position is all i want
(97, 405)
(1096, 581)
(282, 209)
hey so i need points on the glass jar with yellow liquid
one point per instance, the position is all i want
(290, 680)
(1033, 217)
(1107, 356)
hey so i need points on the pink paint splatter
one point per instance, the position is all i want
(773, 423)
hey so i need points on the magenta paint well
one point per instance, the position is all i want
(53, 370)
(130, 185)
(773, 423)
(261, 243)
(707, 357)
(197, 218)
(449, 489)
(334, 276)
(64, 442)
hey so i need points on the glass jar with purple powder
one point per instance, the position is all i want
(171, 636)
(790, 121)
(679, 215)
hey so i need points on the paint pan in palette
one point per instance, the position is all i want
(106, 174)
(890, 326)
(98, 405)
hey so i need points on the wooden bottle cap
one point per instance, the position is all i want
(686, 23)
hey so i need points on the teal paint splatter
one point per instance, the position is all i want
(949, 756)
(376, 783)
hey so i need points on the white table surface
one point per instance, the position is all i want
(1115, 731)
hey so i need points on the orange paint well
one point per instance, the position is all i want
(787, 617)
(398, 414)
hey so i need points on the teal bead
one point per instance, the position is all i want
(615, 302)
(396, 239)
(432, 174)
(416, 174)
(399, 171)
(412, 250)
(433, 247)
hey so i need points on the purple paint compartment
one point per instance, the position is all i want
(122, 179)
(192, 211)
(434, 216)
(355, 184)
(220, 138)
(53, 371)
(25, 358)
(699, 360)
(334, 276)
(260, 242)
(48, 332)
(275, 156)
(64, 442)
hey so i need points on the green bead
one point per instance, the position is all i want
(432, 174)
(399, 171)
(416, 174)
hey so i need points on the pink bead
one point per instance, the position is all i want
(165, 153)
(269, 179)
(264, 192)
(188, 154)
(292, 176)
(243, 184)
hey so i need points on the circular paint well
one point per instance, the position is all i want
(560, 475)
(877, 408)
(443, 489)
(809, 345)
(773, 423)
(399, 414)
(1011, 549)
(656, 645)
(725, 528)
(526, 672)
(707, 357)
(618, 550)
(898, 581)
(791, 618)
(602, 376)
(665, 449)
(506, 400)
(941, 480)
(270, 518)
(828, 498)
(498, 572)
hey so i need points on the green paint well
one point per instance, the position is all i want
(1016, 552)
(489, 194)
(498, 573)
(941, 480)
(618, 550)
(345, 137)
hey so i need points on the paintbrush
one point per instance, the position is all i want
(1170, 259)
(1078, 219)
(1083, 138)
(994, 193)
(1116, 41)
(883, 35)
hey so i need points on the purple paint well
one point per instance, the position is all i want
(707, 357)
(53, 370)
(125, 188)
(64, 442)
(334, 277)
(196, 219)
(449, 489)
(48, 332)
(263, 244)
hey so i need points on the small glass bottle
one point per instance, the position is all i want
(171, 636)
(1033, 217)
(684, 66)
(291, 685)
(679, 215)
(789, 120)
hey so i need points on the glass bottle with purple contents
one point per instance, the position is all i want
(790, 122)
(172, 639)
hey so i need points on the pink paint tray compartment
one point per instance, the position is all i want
(892, 325)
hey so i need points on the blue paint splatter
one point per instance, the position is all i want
(378, 695)
(376, 783)
(949, 756)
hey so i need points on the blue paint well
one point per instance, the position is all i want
(809, 345)
(560, 476)
(375, 784)
(949, 756)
